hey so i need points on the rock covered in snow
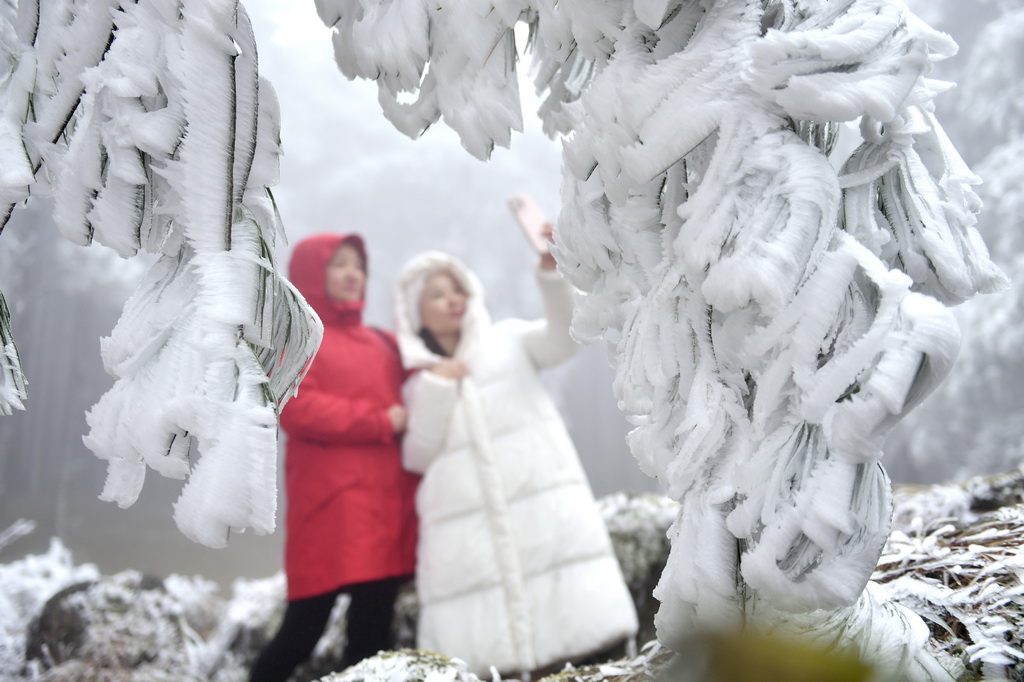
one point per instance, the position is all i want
(128, 626)
(405, 666)
(638, 525)
(251, 618)
(25, 586)
(963, 502)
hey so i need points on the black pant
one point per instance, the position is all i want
(368, 630)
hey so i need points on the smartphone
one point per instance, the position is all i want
(531, 220)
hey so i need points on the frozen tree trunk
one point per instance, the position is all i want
(766, 222)
(149, 123)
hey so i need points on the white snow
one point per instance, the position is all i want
(25, 585)
(960, 569)
(772, 317)
(167, 146)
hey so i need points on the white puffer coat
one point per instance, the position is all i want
(514, 567)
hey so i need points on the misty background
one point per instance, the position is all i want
(345, 168)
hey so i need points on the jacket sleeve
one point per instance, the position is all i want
(314, 414)
(431, 401)
(548, 342)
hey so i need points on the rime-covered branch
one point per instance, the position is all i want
(149, 123)
(765, 220)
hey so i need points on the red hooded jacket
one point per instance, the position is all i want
(350, 504)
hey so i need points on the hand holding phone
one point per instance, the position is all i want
(531, 221)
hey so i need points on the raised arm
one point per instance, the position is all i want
(548, 342)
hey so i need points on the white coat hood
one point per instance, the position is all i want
(407, 293)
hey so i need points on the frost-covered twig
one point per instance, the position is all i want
(971, 425)
(18, 529)
(157, 135)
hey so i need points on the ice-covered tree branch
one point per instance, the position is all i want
(765, 220)
(151, 127)
(974, 413)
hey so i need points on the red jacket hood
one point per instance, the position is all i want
(307, 271)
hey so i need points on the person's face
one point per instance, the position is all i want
(443, 304)
(346, 275)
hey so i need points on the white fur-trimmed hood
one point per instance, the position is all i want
(407, 293)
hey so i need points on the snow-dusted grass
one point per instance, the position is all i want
(962, 569)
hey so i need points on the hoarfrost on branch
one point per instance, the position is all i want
(149, 124)
(766, 223)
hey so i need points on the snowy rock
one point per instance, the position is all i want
(407, 611)
(254, 613)
(128, 626)
(638, 525)
(250, 620)
(25, 586)
(405, 666)
(964, 501)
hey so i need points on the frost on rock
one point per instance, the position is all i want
(128, 625)
(638, 525)
(149, 123)
(775, 305)
(961, 571)
(964, 502)
(405, 666)
(25, 585)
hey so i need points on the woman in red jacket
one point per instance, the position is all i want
(350, 524)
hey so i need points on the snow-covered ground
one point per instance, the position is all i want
(185, 628)
(954, 557)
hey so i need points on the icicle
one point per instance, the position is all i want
(389, 42)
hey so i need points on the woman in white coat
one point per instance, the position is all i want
(515, 569)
